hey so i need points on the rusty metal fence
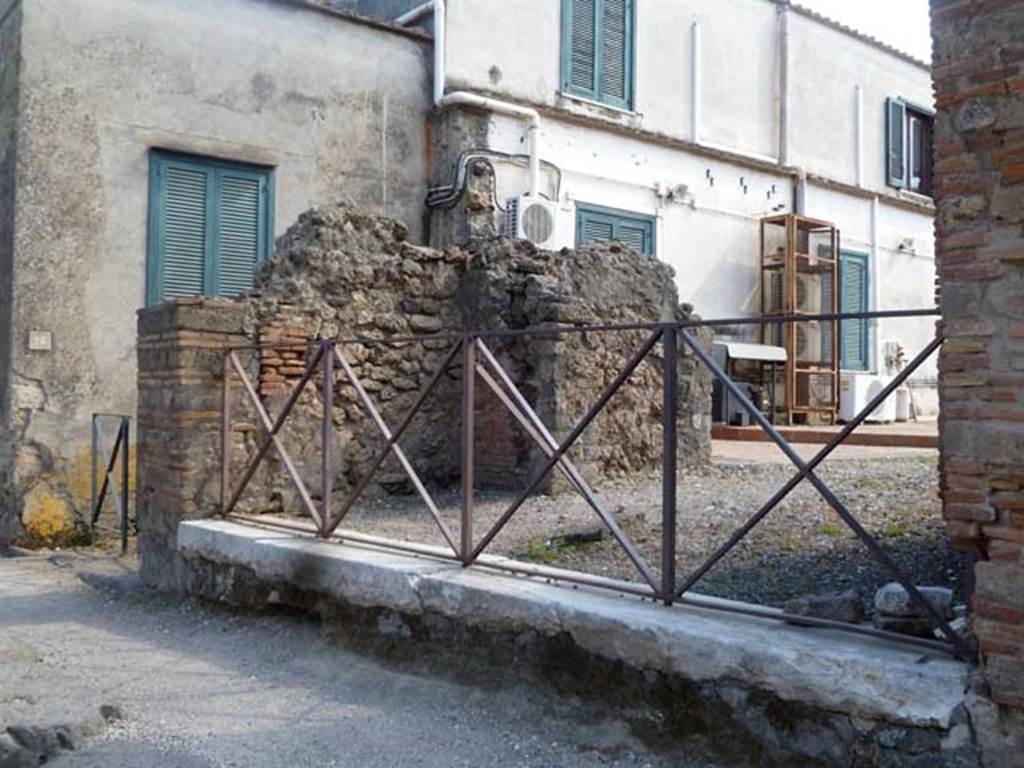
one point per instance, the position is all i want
(480, 365)
(116, 472)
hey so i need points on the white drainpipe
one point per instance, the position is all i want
(695, 81)
(442, 99)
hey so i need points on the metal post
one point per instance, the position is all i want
(326, 433)
(468, 404)
(125, 506)
(225, 435)
(669, 412)
(95, 458)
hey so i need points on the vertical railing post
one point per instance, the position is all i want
(468, 404)
(93, 485)
(125, 465)
(326, 434)
(669, 414)
(225, 434)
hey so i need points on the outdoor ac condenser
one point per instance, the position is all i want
(533, 219)
(856, 390)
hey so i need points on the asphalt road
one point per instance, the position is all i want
(200, 685)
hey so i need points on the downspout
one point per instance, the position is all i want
(858, 106)
(442, 99)
(876, 288)
(695, 81)
(783, 105)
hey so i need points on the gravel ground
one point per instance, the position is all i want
(198, 685)
(802, 547)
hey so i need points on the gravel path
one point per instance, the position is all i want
(802, 547)
(201, 686)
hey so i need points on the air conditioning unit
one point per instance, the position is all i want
(809, 342)
(533, 219)
(856, 390)
(808, 294)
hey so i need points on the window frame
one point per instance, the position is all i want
(159, 161)
(617, 214)
(908, 112)
(596, 95)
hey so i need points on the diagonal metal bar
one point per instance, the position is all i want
(534, 427)
(823, 454)
(268, 426)
(330, 525)
(293, 398)
(876, 550)
(111, 462)
(566, 444)
(396, 449)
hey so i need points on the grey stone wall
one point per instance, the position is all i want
(340, 272)
(337, 107)
(10, 52)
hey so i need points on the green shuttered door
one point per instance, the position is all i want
(209, 225)
(597, 50)
(853, 297)
(595, 224)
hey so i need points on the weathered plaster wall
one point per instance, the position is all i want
(337, 107)
(10, 52)
(979, 82)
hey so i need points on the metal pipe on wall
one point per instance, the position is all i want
(442, 99)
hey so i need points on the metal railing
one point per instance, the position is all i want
(478, 362)
(117, 457)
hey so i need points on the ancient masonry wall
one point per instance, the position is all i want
(342, 273)
(979, 181)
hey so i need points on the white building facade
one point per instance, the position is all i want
(677, 125)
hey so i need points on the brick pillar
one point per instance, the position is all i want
(180, 373)
(979, 184)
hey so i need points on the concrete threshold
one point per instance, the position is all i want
(881, 436)
(828, 670)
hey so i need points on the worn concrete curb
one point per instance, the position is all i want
(858, 677)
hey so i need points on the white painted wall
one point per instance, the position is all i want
(712, 242)
(826, 66)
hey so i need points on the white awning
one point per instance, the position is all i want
(739, 351)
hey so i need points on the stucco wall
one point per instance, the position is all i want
(10, 29)
(338, 108)
(825, 67)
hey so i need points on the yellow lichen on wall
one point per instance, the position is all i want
(48, 519)
(79, 482)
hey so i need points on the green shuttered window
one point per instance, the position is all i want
(210, 223)
(597, 50)
(596, 224)
(853, 297)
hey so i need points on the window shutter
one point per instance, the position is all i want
(185, 198)
(594, 224)
(210, 223)
(853, 297)
(583, 46)
(594, 230)
(239, 231)
(634, 237)
(615, 51)
(896, 142)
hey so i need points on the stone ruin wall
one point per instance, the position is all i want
(342, 273)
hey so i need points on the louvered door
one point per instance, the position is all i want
(853, 297)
